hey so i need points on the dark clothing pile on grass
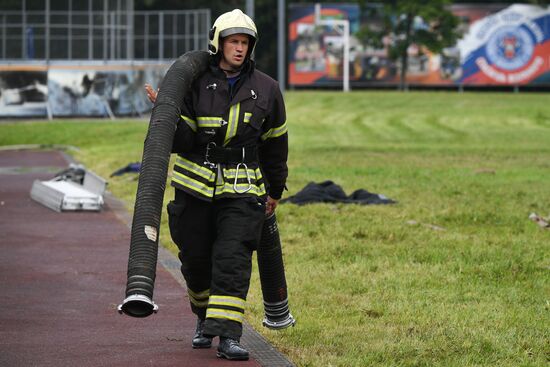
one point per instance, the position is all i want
(329, 192)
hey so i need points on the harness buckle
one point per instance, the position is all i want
(237, 176)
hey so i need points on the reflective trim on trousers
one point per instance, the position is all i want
(199, 299)
(224, 314)
(227, 301)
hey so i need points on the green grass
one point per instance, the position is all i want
(453, 275)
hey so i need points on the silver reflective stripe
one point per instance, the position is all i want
(230, 173)
(227, 301)
(275, 132)
(219, 176)
(199, 295)
(232, 123)
(205, 121)
(247, 116)
(195, 168)
(224, 314)
(199, 303)
(199, 299)
(190, 122)
(228, 188)
(192, 184)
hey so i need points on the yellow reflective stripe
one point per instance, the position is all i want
(199, 299)
(192, 184)
(190, 122)
(242, 174)
(232, 123)
(203, 303)
(227, 301)
(275, 132)
(224, 314)
(258, 173)
(230, 173)
(247, 116)
(228, 188)
(200, 295)
(207, 121)
(195, 168)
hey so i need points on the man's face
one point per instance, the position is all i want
(234, 48)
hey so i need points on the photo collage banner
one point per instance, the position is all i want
(63, 90)
(501, 45)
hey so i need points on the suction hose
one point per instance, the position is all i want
(272, 277)
(142, 261)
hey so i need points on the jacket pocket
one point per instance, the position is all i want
(259, 112)
(255, 221)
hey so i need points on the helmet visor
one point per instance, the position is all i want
(236, 30)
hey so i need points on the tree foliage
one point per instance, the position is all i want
(427, 24)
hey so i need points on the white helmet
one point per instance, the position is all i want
(229, 23)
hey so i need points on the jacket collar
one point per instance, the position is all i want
(245, 90)
(247, 69)
(245, 87)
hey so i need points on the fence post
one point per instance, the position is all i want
(161, 35)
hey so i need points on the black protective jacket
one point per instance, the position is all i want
(249, 115)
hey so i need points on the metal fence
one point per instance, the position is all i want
(161, 35)
(100, 30)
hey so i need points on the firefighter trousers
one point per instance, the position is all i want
(215, 241)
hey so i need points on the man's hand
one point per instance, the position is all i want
(270, 205)
(151, 93)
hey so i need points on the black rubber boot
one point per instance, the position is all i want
(199, 340)
(231, 349)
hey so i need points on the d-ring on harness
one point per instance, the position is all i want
(237, 176)
(207, 162)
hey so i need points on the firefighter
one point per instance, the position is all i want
(230, 171)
